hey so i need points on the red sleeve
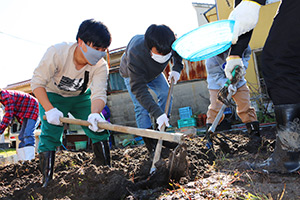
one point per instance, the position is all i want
(9, 113)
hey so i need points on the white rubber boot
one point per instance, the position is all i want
(21, 154)
(29, 152)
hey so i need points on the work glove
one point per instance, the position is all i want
(245, 15)
(94, 118)
(175, 75)
(53, 116)
(161, 120)
(231, 63)
(232, 88)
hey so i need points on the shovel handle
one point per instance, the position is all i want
(171, 137)
(159, 142)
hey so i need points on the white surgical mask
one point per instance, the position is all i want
(160, 58)
(92, 55)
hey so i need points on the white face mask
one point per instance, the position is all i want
(161, 59)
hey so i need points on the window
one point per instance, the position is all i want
(257, 65)
(259, 98)
(116, 82)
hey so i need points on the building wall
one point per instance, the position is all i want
(190, 93)
(201, 10)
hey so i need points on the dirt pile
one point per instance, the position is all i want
(210, 175)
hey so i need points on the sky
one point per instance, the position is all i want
(28, 28)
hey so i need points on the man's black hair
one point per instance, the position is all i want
(161, 37)
(95, 32)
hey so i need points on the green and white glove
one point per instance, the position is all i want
(231, 63)
(232, 89)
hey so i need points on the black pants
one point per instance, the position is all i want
(281, 55)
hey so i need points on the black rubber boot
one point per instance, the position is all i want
(209, 142)
(47, 159)
(288, 126)
(150, 145)
(102, 153)
(293, 164)
(285, 158)
(255, 139)
(253, 128)
(170, 145)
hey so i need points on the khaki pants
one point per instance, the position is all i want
(242, 100)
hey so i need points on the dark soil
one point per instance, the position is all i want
(207, 174)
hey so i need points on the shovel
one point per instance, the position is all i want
(226, 101)
(160, 141)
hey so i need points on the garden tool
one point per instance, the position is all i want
(160, 141)
(237, 74)
(224, 96)
(178, 155)
(178, 163)
(171, 137)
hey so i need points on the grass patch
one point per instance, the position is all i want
(7, 152)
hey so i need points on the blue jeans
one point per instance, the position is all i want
(160, 87)
(26, 135)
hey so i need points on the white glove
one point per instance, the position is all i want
(175, 75)
(245, 15)
(231, 63)
(161, 120)
(232, 89)
(53, 116)
(94, 118)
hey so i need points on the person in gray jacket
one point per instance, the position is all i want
(216, 79)
(142, 66)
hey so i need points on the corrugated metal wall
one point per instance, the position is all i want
(190, 71)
